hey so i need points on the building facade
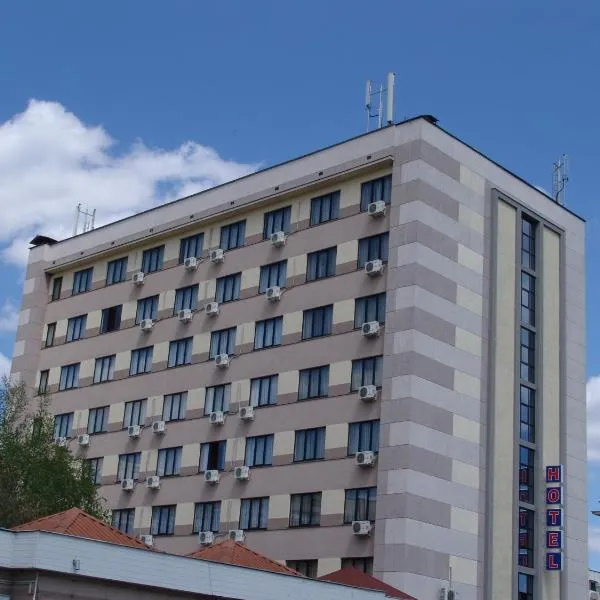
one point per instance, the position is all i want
(411, 265)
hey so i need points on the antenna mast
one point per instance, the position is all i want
(378, 104)
(560, 177)
(89, 218)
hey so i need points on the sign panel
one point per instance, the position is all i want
(554, 517)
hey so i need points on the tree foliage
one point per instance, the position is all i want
(38, 477)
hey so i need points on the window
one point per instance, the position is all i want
(104, 369)
(95, 467)
(525, 587)
(367, 371)
(305, 509)
(116, 271)
(310, 444)
(174, 406)
(207, 516)
(233, 236)
(152, 259)
(527, 414)
(135, 413)
(313, 383)
(147, 308)
(317, 322)
(263, 391)
(369, 308)
(43, 385)
(527, 355)
(527, 299)
(526, 537)
(217, 398)
(324, 208)
(228, 288)
(62, 425)
(528, 243)
(222, 342)
(141, 360)
(169, 462)
(76, 328)
(593, 586)
(50, 332)
(277, 220)
(526, 464)
(212, 456)
(371, 248)
(69, 377)
(254, 513)
(321, 264)
(180, 352)
(268, 333)
(56, 288)
(111, 319)
(273, 274)
(82, 281)
(97, 419)
(186, 297)
(308, 568)
(375, 190)
(123, 520)
(259, 451)
(363, 563)
(363, 436)
(191, 247)
(129, 466)
(163, 520)
(360, 504)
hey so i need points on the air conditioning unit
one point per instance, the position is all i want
(446, 594)
(134, 431)
(361, 527)
(217, 255)
(83, 439)
(206, 538)
(62, 441)
(222, 360)
(278, 238)
(370, 329)
(374, 267)
(147, 539)
(365, 458)
(376, 209)
(138, 278)
(367, 393)
(127, 485)
(211, 308)
(237, 535)
(146, 324)
(153, 482)
(159, 427)
(242, 473)
(247, 413)
(191, 263)
(184, 315)
(217, 417)
(212, 476)
(273, 293)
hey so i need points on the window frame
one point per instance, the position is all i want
(372, 435)
(134, 407)
(129, 514)
(248, 507)
(307, 567)
(69, 373)
(239, 229)
(153, 259)
(110, 319)
(196, 242)
(273, 218)
(129, 463)
(375, 190)
(214, 517)
(375, 367)
(76, 326)
(186, 297)
(316, 208)
(141, 359)
(373, 305)
(317, 319)
(259, 451)
(56, 288)
(166, 514)
(82, 281)
(168, 461)
(180, 352)
(174, 407)
(228, 288)
(317, 445)
(97, 420)
(272, 274)
(256, 397)
(223, 399)
(268, 333)
(50, 335)
(104, 369)
(321, 264)
(142, 306)
(373, 247)
(63, 425)
(95, 466)
(216, 341)
(207, 460)
(116, 270)
(307, 503)
(365, 504)
(322, 391)
(43, 382)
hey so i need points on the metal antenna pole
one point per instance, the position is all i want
(380, 116)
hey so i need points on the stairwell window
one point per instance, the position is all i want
(363, 437)
(104, 369)
(116, 271)
(82, 281)
(376, 190)
(325, 208)
(233, 235)
(152, 259)
(180, 353)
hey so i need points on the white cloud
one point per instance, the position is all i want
(50, 161)
(4, 365)
(9, 316)
(593, 418)
(594, 538)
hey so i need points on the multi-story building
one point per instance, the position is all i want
(423, 310)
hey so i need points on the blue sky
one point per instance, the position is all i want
(139, 101)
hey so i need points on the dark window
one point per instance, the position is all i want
(116, 271)
(593, 586)
(56, 288)
(228, 288)
(321, 264)
(305, 509)
(62, 425)
(367, 371)
(180, 352)
(104, 369)
(268, 333)
(163, 520)
(308, 568)
(69, 377)
(233, 236)
(222, 342)
(111, 319)
(207, 516)
(369, 308)
(50, 332)
(129, 466)
(360, 504)
(191, 247)
(169, 462)
(527, 355)
(324, 208)
(526, 540)
(525, 587)
(527, 299)
(95, 467)
(310, 444)
(313, 383)
(186, 297)
(141, 361)
(526, 477)
(363, 563)
(147, 308)
(528, 243)
(82, 281)
(174, 406)
(97, 419)
(527, 414)
(375, 190)
(371, 248)
(212, 456)
(135, 413)
(76, 328)
(259, 451)
(152, 259)
(363, 436)
(123, 520)
(271, 275)
(217, 398)
(254, 513)
(263, 391)
(43, 385)
(277, 220)
(317, 322)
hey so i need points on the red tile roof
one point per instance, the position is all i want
(78, 523)
(356, 578)
(234, 553)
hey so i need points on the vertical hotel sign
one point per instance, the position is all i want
(554, 517)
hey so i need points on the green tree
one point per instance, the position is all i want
(38, 477)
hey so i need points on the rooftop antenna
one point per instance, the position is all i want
(560, 177)
(89, 217)
(374, 102)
